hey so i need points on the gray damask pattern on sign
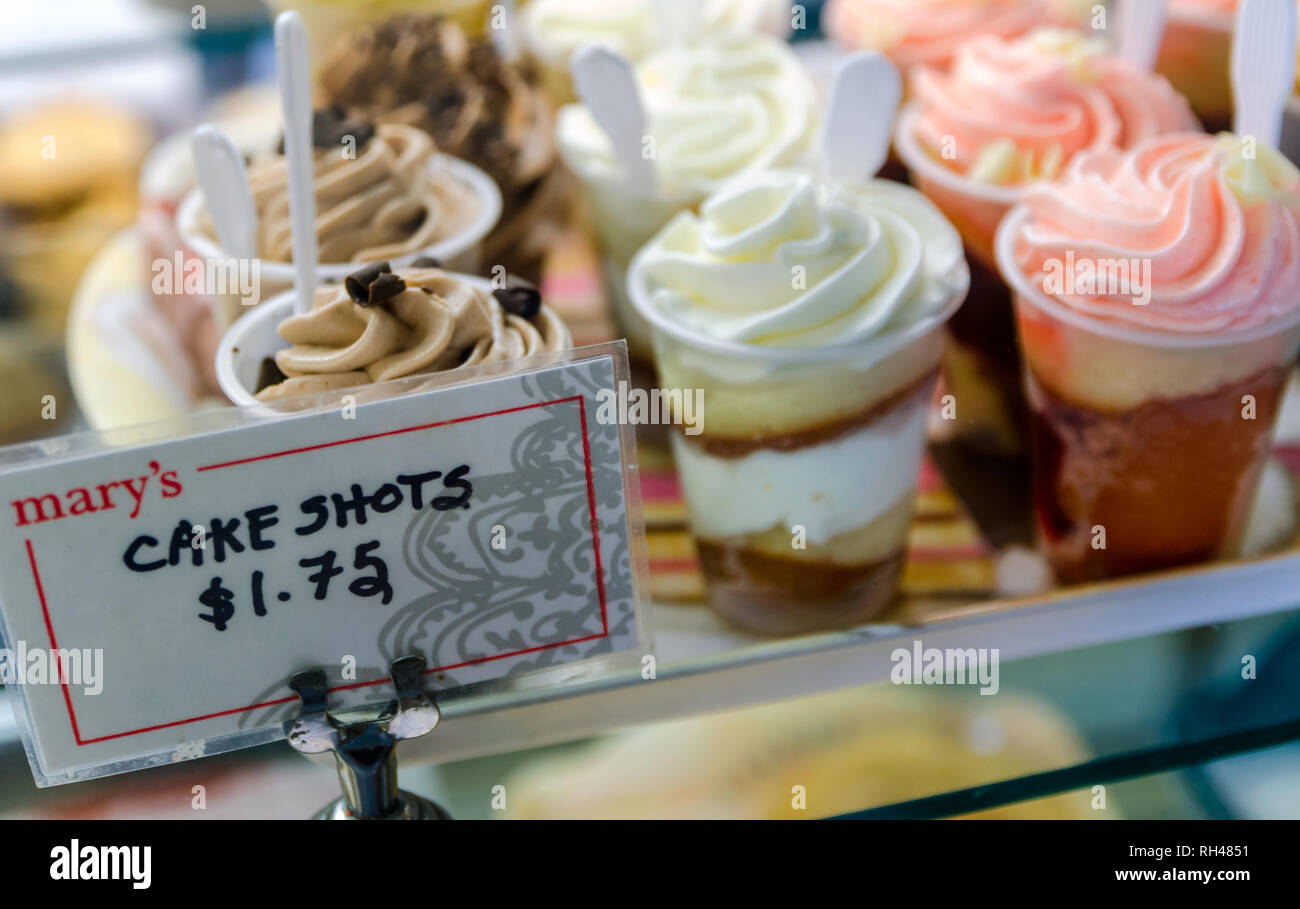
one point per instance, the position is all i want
(482, 602)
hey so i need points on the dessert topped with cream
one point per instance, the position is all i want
(555, 29)
(424, 71)
(383, 325)
(1220, 229)
(929, 32)
(1013, 112)
(716, 108)
(378, 194)
(780, 259)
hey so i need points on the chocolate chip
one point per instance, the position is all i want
(269, 374)
(325, 127)
(426, 262)
(360, 132)
(385, 287)
(358, 283)
(519, 298)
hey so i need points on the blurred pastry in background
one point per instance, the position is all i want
(67, 182)
(849, 750)
(327, 20)
(425, 71)
(552, 30)
(928, 32)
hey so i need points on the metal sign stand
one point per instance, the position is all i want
(364, 741)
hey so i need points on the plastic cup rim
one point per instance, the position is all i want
(1004, 247)
(276, 308)
(486, 219)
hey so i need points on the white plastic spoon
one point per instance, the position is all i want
(224, 181)
(606, 84)
(1141, 27)
(860, 117)
(1263, 67)
(295, 102)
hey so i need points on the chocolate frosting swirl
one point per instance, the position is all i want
(437, 322)
(384, 202)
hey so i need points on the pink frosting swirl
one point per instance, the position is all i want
(913, 32)
(1038, 101)
(1221, 232)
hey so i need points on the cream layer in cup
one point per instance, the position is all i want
(553, 30)
(715, 108)
(1007, 115)
(1154, 403)
(383, 324)
(396, 200)
(809, 317)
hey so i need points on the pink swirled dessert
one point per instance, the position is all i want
(1221, 232)
(1012, 112)
(1159, 318)
(929, 32)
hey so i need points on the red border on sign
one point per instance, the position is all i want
(595, 543)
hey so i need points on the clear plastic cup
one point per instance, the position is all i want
(623, 219)
(1196, 58)
(982, 362)
(1147, 446)
(213, 313)
(801, 479)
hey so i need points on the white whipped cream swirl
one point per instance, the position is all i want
(781, 259)
(715, 108)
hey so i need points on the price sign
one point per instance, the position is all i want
(157, 597)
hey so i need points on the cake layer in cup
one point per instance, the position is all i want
(1170, 480)
(828, 484)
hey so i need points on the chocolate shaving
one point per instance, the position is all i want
(385, 287)
(358, 283)
(519, 298)
(330, 126)
(269, 374)
(426, 262)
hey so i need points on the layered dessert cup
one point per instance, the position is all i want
(383, 323)
(1007, 115)
(1154, 403)
(1196, 56)
(717, 108)
(396, 200)
(807, 321)
(425, 71)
